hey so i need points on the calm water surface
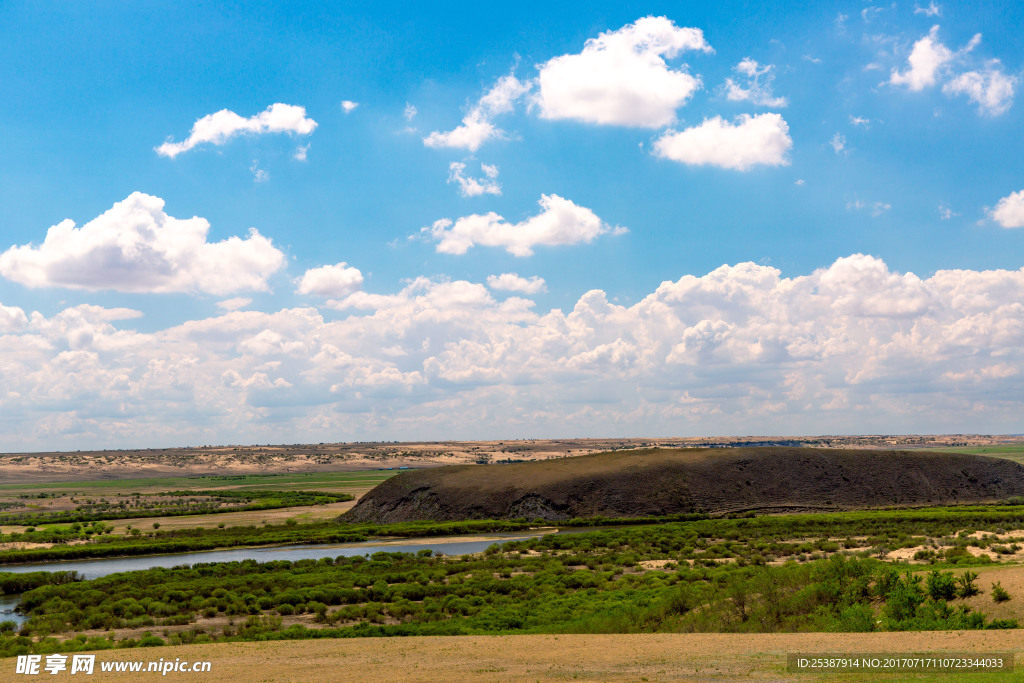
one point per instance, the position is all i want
(92, 569)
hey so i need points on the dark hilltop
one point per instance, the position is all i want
(658, 482)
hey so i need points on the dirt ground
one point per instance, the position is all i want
(645, 657)
(1012, 580)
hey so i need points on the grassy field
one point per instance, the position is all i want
(339, 482)
(598, 589)
(61, 494)
(1013, 452)
(618, 657)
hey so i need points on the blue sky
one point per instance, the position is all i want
(287, 222)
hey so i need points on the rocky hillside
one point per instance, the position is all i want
(672, 481)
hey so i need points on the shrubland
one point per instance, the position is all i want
(812, 572)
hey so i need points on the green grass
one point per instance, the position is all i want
(1013, 452)
(326, 481)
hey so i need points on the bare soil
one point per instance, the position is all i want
(633, 657)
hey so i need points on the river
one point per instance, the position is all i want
(91, 569)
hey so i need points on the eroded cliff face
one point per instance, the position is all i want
(675, 481)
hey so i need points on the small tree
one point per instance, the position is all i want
(999, 593)
(966, 586)
(941, 585)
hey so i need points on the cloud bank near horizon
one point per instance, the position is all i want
(851, 347)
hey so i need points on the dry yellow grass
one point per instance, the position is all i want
(308, 513)
(468, 659)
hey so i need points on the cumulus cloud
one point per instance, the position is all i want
(1009, 211)
(218, 128)
(336, 281)
(348, 106)
(477, 126)
(850, 348)
(234, 303)
(136, 247)
(474, 187)
(512, 282)
(621, 77)
(12, 319)
(758, 90)
(749, 141)
(409, 112)
(560, 222)
(926, 59)
(991, 89)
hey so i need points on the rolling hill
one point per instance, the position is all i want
(673, 481)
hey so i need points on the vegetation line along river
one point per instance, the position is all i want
(92, 569)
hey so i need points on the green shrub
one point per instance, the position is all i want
(999, 593)
(941, 585)
(966, 586)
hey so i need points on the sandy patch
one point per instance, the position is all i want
(655, 564)
(905, 554)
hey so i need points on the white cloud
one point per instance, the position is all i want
(838, 143)
(136, 247)
(477, 126)
(409, 112)
(946, 212)
(234, 303)
(218, 128)
(859, 121)
(932, 10)
(560, 222)
(750, 141)
(259, 175)
(621, 77)
(759, 85)
(1009, 211)
(869, 13)
(512, 282)
(12, 319)
(474, 131)
(927, 58)
(853, 347)
(348, 106)
(474, 187)
(336, 281)
(991, 89)
(876, 208)
(300, 152)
